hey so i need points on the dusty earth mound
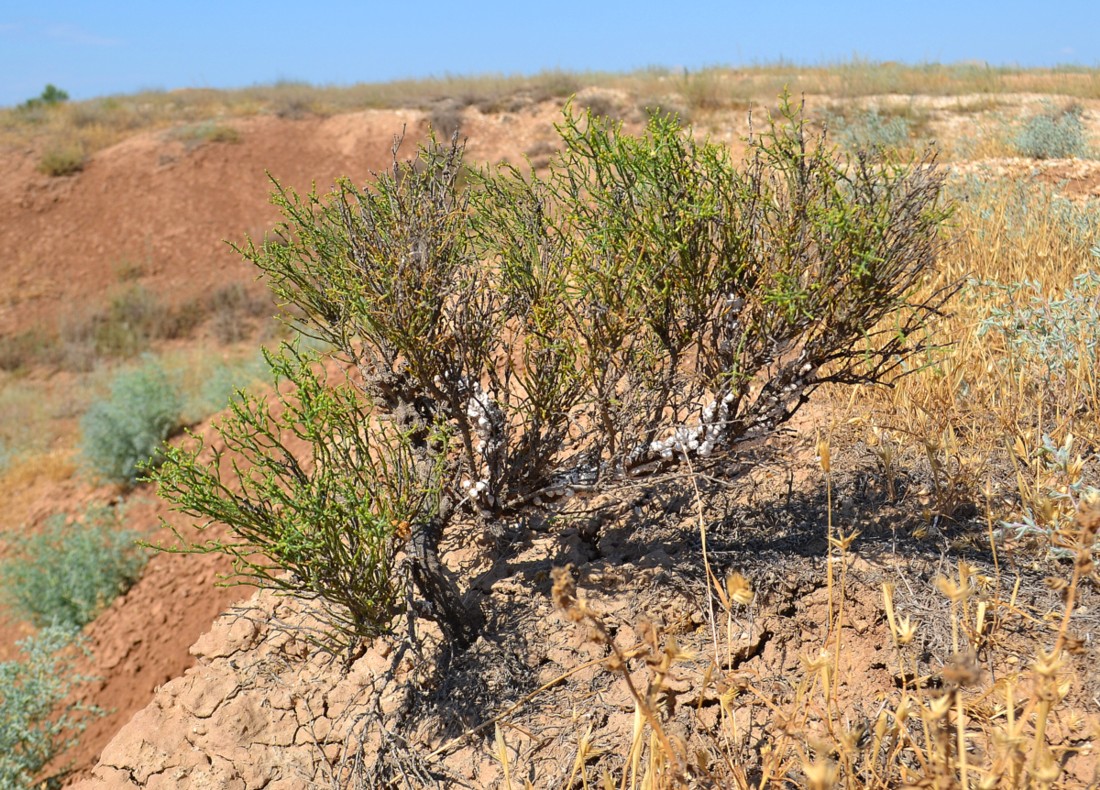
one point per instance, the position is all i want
(266, 708)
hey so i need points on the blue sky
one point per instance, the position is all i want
(107, 47)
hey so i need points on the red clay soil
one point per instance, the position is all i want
(152, 202)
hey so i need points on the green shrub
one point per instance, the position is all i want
(1053, 134)
(63, 159)
(31, 732)
(67, 573)
(51, 95)
(334, 531)
(127, 430)
(514, 339)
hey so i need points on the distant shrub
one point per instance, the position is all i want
(24, 349)
(445, 118)
(68, 573)
(672, 107)
(221, 384)
(31, 735)
(292, 100)
(51, 95)
(232, 307)
(63, 159)
(871, 130)
(1052, 134)
(128, 428)
(706, 90)
(125, 327)
(194, 135)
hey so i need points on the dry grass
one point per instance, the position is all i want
(954, 725)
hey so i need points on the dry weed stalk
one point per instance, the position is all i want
(958, 726)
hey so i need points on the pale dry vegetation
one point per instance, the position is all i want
(72, 131)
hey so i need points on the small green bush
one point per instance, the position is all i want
(63, 159)
(50, 96)
(1052, 134)
(67, 573)
(127, 430)
(336, 532)
(31, 735)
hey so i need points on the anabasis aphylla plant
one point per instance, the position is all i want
(509, 340)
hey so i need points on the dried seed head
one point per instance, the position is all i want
(823, 455)
(1063, 688)
(677, 653)
(1056, 583)
(821, 663)
(844, 542)
(1088, 516)
(1047, 771)
(1083, 561)
(739, 589)
(949, 589)
(940, 706)
(961, 671)
(564, 592)
(906, 630)
(1047, 664)
(821, 774)
(1074, 644)
(901, 713)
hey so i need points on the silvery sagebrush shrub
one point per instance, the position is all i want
(1052, 134)
(871, 129)
(31, 688)
(128, 428)
(66, 573)
(1047, 334)
(507, 341)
